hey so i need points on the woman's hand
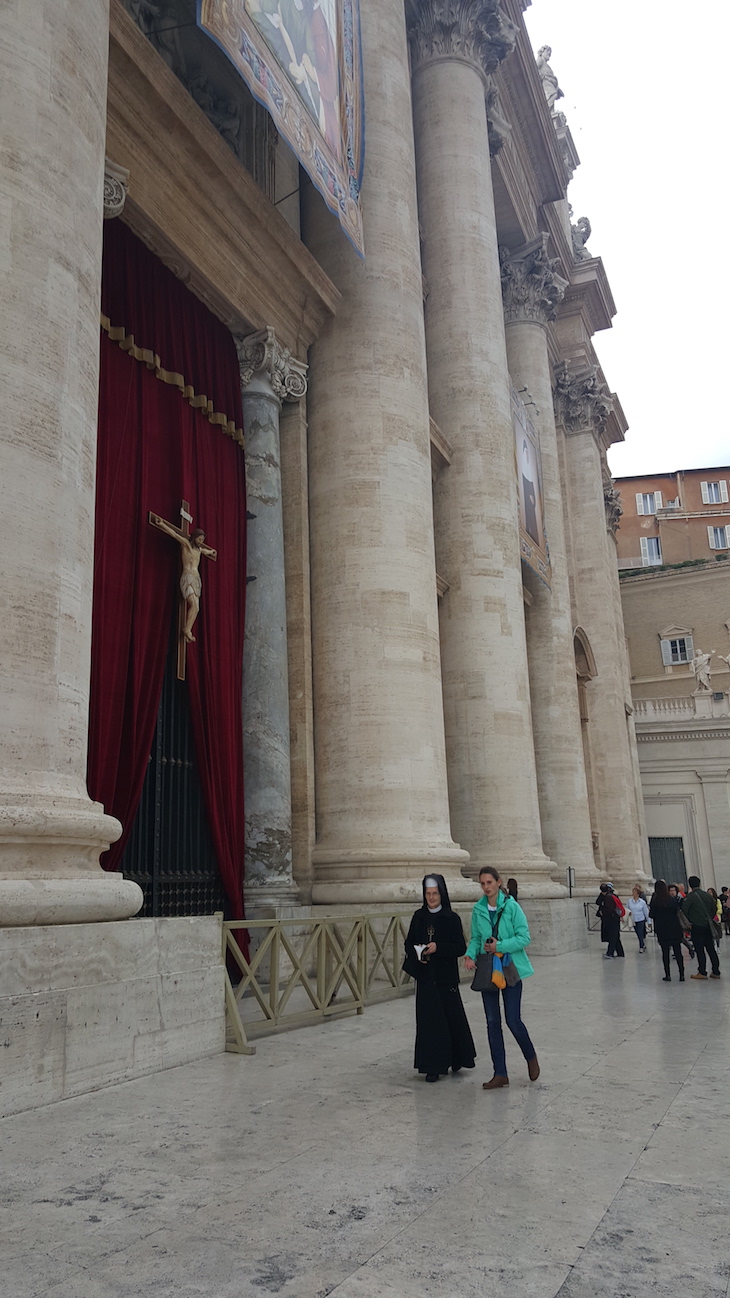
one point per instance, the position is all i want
(429, 950)
(469, 964)
(490, 946)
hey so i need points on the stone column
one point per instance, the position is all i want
(53, 61)
(583, 409)
(531, 290)
(491, 761)
(269, 375)
(380, 768)
(716, 793)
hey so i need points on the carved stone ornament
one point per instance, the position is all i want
(475, 31)
(261, 353)
(498, 127)
(116, 180)
(582, 401)
(531, 287)
(580, 234)
(612, 502)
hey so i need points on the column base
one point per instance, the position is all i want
(267, 900)
(358, 877)
(533, 873)
(49, 865)
(556, 925)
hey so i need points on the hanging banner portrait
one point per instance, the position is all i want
(533, 539)
(302, 60)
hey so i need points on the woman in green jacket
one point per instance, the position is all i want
(498, 916)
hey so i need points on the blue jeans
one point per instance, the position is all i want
(512, 1003)
(640, 931)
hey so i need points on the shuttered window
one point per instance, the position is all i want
(679, 650)
(714, 493)
(718, 538)
(651, 550)
(648, 502)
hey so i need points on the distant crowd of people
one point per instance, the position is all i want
(694, 920)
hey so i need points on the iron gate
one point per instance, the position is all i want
(170, 852)
(667, 860)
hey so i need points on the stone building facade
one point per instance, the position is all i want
(416, 696)
(677, 622)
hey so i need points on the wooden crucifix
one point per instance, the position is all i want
(192, 548)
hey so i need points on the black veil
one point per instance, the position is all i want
(443, 890)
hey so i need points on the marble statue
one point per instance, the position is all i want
(548, 77)
(700, 665)
(581, 233)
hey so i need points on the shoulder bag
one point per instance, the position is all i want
(482, 980)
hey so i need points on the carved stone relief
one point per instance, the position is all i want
(116, 180)
(477, 31)
(262, 352)
(582, 401)
(532, 289)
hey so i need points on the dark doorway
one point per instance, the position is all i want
(667, 860)
(170, 852)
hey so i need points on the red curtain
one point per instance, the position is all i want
(155, 450)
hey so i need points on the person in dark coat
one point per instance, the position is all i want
(664, 914)
(443, 1036)
(610, 921)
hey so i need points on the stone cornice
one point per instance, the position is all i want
(589, 295)
(473, 31)
(532, 289)
(655, 736)
(582, 401)
(260, 353)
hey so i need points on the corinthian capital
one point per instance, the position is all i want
(582, 401)
(531, 286)
(260, 353)
(116, 180)
(474, 31)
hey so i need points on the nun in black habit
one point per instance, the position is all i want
(443, 1036)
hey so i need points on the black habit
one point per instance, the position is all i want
(443, 1035)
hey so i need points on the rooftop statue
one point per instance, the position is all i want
(581, 233)
(548, 77)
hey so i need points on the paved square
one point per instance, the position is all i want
(324, 1165)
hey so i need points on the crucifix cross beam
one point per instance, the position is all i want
(192, 550)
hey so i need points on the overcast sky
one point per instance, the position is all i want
(646, 97)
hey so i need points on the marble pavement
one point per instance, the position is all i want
(324, 1166)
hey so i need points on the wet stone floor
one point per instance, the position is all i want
(325, 1166)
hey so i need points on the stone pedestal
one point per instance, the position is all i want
(491, 762)
(53, 61)
(269, 375)
(583, 409)
(381, 790)
(532, 290)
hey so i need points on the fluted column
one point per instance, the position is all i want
(269, 375)
(380, 769)
(491, 761)
(532, 290)
(582, 407)
(53, 62)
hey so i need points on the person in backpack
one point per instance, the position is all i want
(499, 926)
(699, 909)
(640, 914)
(611, 911)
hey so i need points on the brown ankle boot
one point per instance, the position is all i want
(495, 1083)
(533, 1069)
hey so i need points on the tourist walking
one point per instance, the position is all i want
(499, 928)
(678, 895)
(664, 913)
(699, 909)
(718, 916)
(610, 911)
(433, 946)
(640, 914)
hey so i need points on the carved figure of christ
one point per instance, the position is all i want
(192, 549)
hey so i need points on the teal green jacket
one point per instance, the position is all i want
(513, 934)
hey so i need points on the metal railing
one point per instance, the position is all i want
(301, 971)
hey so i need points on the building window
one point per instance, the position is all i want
(648, 502)
(714, 493)
(679, 650)
(651, 551)
(718, 537)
